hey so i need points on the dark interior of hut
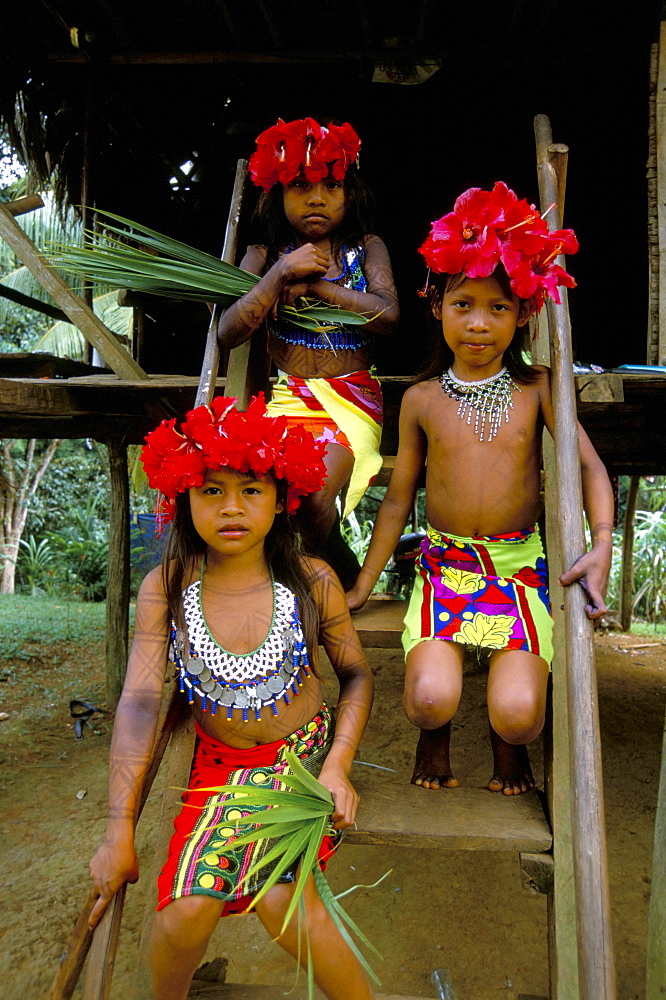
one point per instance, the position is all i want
(151, 87)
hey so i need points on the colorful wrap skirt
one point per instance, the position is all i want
(485, 592)
(346, 410)
(202, 860)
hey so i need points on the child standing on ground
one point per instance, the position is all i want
(319, 245)
(481, 578)
(244, 611)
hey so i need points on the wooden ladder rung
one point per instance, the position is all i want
(394, 812)
(380, 623)
(240, 991)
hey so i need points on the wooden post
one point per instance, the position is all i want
(115, 356)
(562, 942)
(656, 955)
(653, 214)
(627, 573)
(595, 956)
(81, 938)
(211, 359)
(117, 587)
(661, 192)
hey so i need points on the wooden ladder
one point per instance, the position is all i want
(553, 860)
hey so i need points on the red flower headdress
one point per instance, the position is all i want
(486, 227)
(289, 147)
(220, 436)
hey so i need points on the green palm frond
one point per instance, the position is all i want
(298, 820)
(164, 266)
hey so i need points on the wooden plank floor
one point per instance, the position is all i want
(392, 811)
(379, 623)
(239, 991)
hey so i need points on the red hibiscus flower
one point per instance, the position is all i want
(466, 239)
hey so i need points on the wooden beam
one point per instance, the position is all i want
(217, 56)
(595, 952)
(31, 303)
(653, 214)
(23, 205)
(101, 338)
(661, 192)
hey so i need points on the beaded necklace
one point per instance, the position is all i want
(245, 681)
(491, 398)
(340, 337)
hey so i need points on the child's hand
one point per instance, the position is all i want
(344, 796)
(356, 598)
(306, 262)
(111, 867)
(591, 571)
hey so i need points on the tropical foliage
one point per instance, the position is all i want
(649, 589)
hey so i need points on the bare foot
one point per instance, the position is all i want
(512, 773)
(432, 768)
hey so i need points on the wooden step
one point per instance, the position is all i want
(240, 991)
(380, 623)
(394, 812)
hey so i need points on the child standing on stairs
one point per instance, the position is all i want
(481, 578)
(318, 244)
(244, 611)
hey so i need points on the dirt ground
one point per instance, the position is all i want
(465, 912)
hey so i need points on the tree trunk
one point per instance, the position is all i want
(15, 493)
(627, 574)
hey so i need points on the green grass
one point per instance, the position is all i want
(655, 630)
(48, 620)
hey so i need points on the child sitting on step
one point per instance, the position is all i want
(480, 578)
(318, 243)
(244, 612)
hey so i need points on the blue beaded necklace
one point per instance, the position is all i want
(244, 681)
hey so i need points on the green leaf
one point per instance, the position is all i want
(307, 864)
(180, 271)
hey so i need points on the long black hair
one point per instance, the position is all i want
(185, 550)
(441, 356)
(274, 232)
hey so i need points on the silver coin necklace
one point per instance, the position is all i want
(489, 400)
(248, 682)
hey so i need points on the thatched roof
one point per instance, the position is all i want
(152, 86)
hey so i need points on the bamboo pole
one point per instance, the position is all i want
(69, 971)
(596, 966)
(627, 574)
(211, 359)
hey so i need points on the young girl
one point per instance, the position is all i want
(318, 244)
(244, 611)
(481, 577)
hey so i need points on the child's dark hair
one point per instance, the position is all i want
(440, 354)
(185, 550)
(274, 231)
